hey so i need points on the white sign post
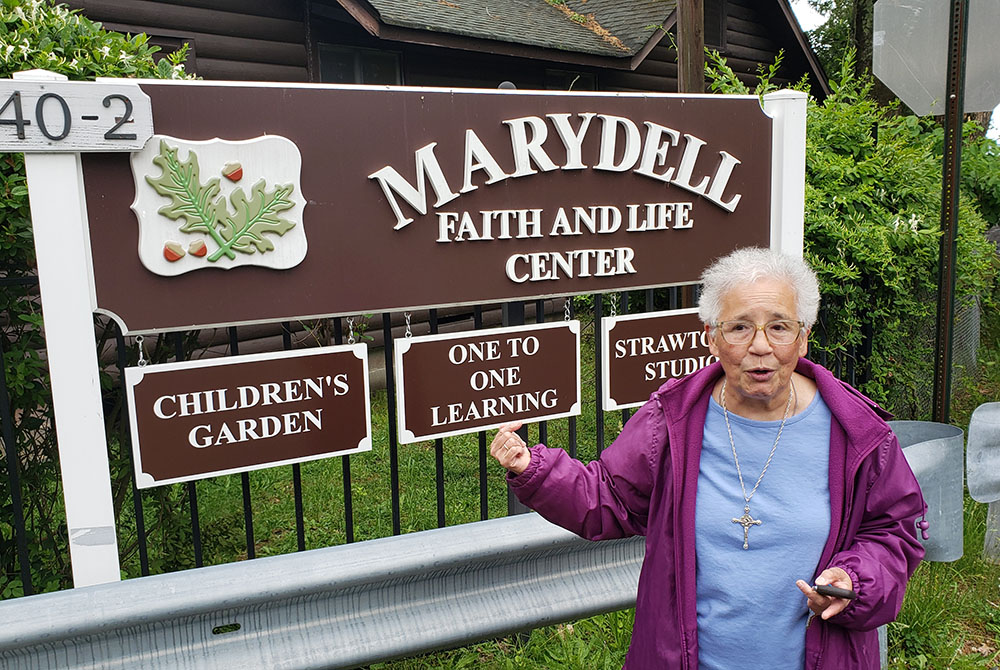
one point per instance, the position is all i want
(59, 222)
(52, 121)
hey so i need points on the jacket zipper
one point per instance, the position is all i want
(676, 506)
(845, 514)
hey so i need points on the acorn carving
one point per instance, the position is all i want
(198, 248)
(173, 251)
(233, 171)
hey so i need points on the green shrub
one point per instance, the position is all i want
(39, 34)
(872, 232)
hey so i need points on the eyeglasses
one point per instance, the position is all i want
(780, 331)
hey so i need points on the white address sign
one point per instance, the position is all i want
(43, 116)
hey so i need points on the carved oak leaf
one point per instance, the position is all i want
(254, 216)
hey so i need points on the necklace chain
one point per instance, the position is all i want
(732, 443)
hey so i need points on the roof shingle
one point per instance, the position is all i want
(536, 22)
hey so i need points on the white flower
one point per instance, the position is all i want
(105, 51)
(73, 64)
(124, 57)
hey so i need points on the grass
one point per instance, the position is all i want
(950, 618)
(951, 615)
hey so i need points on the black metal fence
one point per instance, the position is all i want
(17, 555)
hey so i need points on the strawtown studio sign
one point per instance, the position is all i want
(204, 418)
(297, 209)
(642, 351)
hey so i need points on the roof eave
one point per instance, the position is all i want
(363, 14)
(800, 36)
(451, 41)
(369, 19)
(653, 40)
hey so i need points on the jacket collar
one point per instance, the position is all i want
(852, 409)
(861, 419)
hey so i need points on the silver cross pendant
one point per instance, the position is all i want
(746, 521)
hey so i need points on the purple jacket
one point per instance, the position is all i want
(644, 484)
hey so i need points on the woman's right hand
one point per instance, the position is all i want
(509, 449)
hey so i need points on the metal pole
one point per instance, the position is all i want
(513, 315)
(955, 93)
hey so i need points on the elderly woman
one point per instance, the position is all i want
(751, 479)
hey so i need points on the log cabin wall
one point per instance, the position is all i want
(243, 40)
(746, 32)
(284, 40)
(427, 65)
(755, 33)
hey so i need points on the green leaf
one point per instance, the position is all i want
(189, 198)
(255, 216)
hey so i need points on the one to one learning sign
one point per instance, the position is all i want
(463, 383)
(642, 351)
(199, 419)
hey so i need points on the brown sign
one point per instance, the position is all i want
(305, 200)
(204, 418)
(463, 383)
(642, 351)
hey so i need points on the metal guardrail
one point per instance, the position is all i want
(984, 472)
(338, 607)
(936, 454)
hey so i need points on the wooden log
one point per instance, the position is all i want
(279, 9)
(691, 46)
(231, 70)
(739, 10)
(619, 81)
(176, 17)
(750, 41)
(739, 25)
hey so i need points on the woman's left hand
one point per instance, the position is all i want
(827, 606)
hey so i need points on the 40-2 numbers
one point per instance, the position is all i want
(59, 131)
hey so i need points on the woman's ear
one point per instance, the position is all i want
(712, 346)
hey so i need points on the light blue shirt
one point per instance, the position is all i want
(750, 612)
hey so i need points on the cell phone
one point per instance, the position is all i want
(833, 591)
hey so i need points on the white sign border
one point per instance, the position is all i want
(135, 375)
(402, 345)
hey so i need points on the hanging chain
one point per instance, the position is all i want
(736, 459)
(350, 330)
(614, 305)
(566, 309)
(142, 354)
(409, 333)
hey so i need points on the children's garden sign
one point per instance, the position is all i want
(155, 203)
(197, 419)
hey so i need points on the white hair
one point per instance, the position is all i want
(751, 264)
